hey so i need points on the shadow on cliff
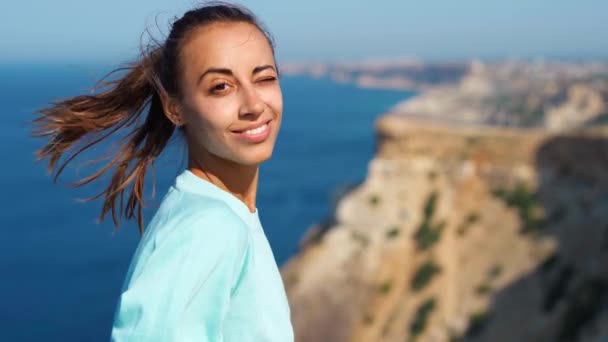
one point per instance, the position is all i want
(564, 298)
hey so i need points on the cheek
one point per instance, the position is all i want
(211, 121)
(214, 113)
(274, 100)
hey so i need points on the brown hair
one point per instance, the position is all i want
(156, 73)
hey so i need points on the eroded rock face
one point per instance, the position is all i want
(462, 233)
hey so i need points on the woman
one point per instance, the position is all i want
(203, 270)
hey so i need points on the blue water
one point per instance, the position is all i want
(62, 272)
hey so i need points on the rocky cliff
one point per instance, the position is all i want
(462, 232)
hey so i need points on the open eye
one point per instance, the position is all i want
(219, 87)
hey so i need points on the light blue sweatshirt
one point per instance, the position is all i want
(203, 271)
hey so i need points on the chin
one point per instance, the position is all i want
(255, 158)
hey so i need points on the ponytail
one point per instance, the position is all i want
(102, 114)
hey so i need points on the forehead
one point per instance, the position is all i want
(229, 45)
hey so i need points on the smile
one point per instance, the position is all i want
(256, 134)
(257, 130)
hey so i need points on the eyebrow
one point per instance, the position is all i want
(228, 72)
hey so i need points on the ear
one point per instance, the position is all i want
(171, 109)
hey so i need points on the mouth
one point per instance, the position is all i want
(256, 134)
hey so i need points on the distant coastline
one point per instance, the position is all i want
(555, 94)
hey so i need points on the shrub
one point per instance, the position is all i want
(385, 287)
(427, 234)
(495, 271)
(477, 323)
(526, 203)
(374, 200)
(429, 207)
(392, 232)
(483, 289)
(472, 217)
(421, 317)
(424, 275)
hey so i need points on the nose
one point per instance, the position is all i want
(252, 103)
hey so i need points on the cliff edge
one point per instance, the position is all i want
(463, 231)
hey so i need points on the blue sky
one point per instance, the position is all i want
(319, 30)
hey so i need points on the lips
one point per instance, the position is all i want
(253, 126)
(255, 134)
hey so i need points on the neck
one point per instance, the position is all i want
(239, 180)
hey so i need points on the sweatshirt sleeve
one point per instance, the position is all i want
(183, 292)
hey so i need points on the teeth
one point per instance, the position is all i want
(257, 130)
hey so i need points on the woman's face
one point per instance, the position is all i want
(232, 103)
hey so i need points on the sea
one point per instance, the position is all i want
(61, 269)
